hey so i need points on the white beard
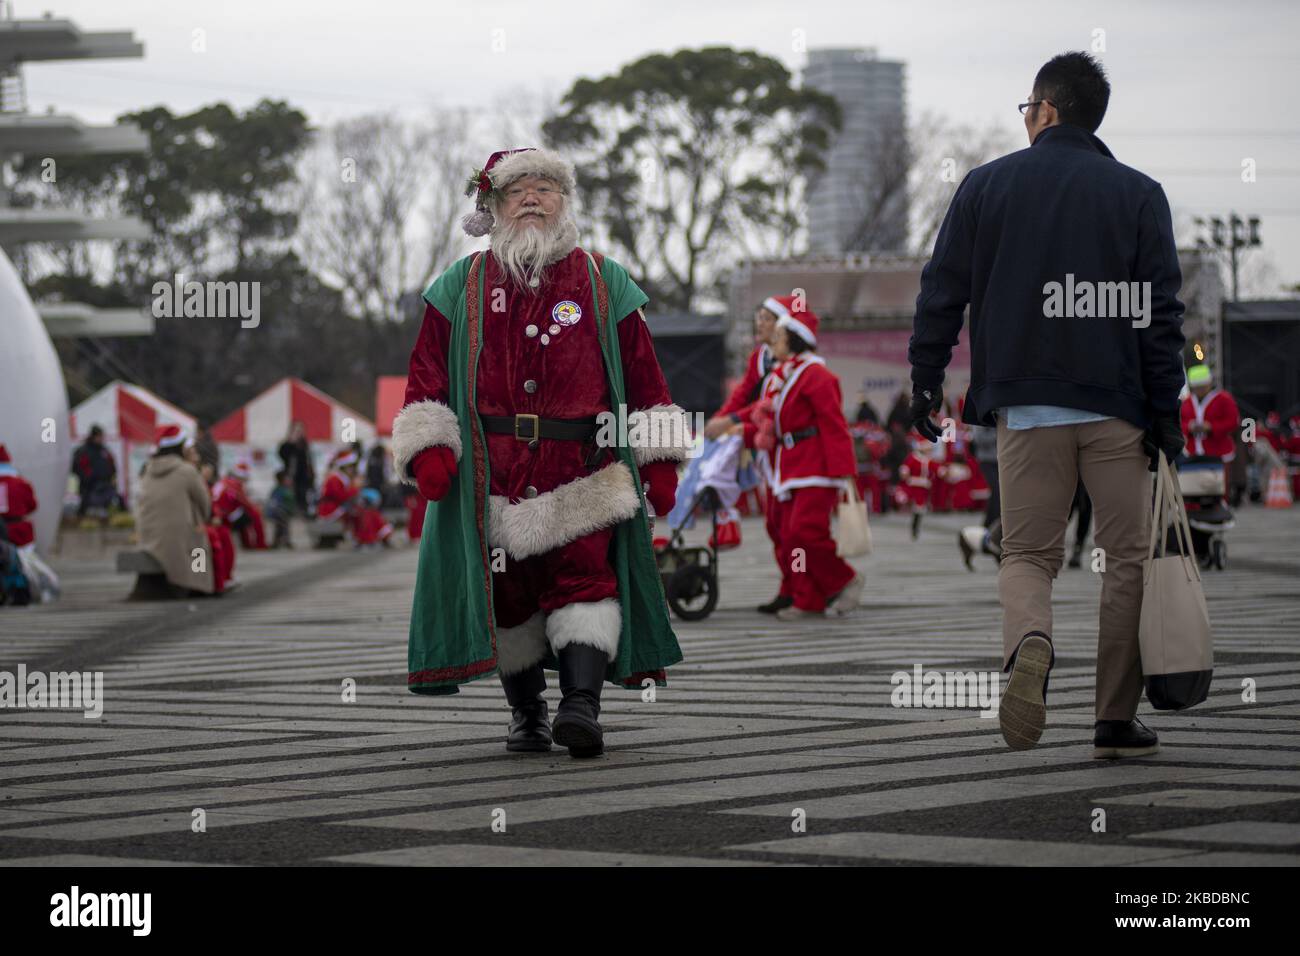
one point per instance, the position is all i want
(525, 251)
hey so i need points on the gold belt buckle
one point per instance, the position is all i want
(536, 428)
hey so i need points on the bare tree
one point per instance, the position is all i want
(382, 200)
(943, 153)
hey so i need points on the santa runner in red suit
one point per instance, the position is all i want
(740, 407)
(737, 410)
(17, 503)
(810, 463)
(231, 504)
(527, 315)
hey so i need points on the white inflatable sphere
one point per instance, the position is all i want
(33, 403)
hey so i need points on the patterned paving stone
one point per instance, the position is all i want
(235, 706)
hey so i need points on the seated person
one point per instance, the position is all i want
(172, 510)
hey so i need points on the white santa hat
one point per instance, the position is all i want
(503, 168)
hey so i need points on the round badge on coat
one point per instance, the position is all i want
(567, 312)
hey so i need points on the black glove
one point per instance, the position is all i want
(1164, 434)
(925, 401)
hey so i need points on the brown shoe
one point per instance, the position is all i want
(1022, 712)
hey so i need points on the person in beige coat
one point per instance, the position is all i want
(171, 510)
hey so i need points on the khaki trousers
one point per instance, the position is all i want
(1037, 471)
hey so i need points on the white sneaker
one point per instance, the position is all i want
(847, 600)
(793, 613)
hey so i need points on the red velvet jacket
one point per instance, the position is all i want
(559, 376)
(17, 501)
(1217, 410)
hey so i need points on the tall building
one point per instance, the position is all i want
(859, 204)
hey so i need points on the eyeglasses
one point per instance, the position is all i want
(516, 192)
(1024, 106)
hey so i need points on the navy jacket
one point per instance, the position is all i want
(1061, 208)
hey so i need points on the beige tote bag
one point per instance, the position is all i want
(1174, 630)
(852, 531)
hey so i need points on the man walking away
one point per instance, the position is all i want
(1066, 258)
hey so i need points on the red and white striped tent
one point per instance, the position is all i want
(129, 414)
(256, 430)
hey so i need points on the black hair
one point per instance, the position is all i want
(281, 475)
(170, 450)
(1076, 85)
(795, 342)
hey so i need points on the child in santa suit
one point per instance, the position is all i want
(17, 503)
(369, 528)
(337, 495)
(919, 473)
(812, 461)
(230, 503)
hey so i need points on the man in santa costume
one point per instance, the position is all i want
(231, 504)
(17, 503)
(1209, 417)
(536, 549)
(810, 462)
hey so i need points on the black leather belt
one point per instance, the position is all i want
(789, 438)
(532, 427)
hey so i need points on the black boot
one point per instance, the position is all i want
(1123, 738)
(778, 603)
(529, 730)
(582, 673)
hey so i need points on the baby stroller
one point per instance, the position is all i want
(690, 572)
(1201, 480)
(713, 481)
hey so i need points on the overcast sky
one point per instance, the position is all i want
(1197, 86)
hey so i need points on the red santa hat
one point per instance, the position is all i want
(4, 455)
(242, 469)
(169, 436)
(503, 168)
(343, 457)
(803, 322)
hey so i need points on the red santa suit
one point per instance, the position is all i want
(231, 504)
(1217, 410)
(338, 491)
(554, 501)
(17, 502)
(741, 405)
(811, 461)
